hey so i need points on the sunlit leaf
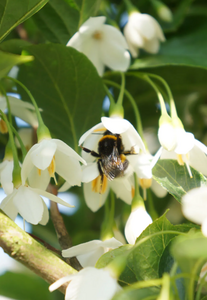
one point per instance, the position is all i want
(175, 178)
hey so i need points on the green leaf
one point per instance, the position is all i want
(143, 262)
(127, 276)
(187, 48)
(25, 286)
(13, 13)
(190, 252)
(8, 60)
(67, 87)
(175, 178)
(137, 294)
(88, 8)
(58, 20)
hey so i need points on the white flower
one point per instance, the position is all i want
(29, 204)
(188, 151)
(194, 207)
(143, 32)
(50, 156)
(89, 283)
(167, 136)
(20, 109)
(123, 186)
(103, 44)
(6, 169)
(137, 222)
(143, 168)
(89, 253)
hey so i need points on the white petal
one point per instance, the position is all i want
(90, 283)
(123, 189)
(90, 172)
(204, 227)
(116, 125)
(87, 133)
(6, 169)
(167, 136)
(68, 168)
(157, 189)
(82, 248)
(131, 138)
(51, 197)
(137, 222)
(8, 206)
(198, 158)
(143, 166)
(41, 154)
(38, 181)
(156, 157)
(194, 205)
(45, 216)
(152, 46)
(185, 142)
(145, 24)
(113, 34)
(90, 259)
(60, 282)
(92, 24)
(29, 205)
(94, 200)
(64, 148)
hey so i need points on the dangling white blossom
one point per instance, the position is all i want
(21, 109)
(103, 44)
(6, 169)
(142, 31)
(50, 156)
(122, 186)
(27, 201)
(89, 253)
(89, 283)
(137, 222)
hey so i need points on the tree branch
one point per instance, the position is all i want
(23, 248)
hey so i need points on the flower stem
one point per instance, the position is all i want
(39, 117)
(121, 94)
(130, 7)
(23, 149)
(17, 169)
(8, 104)
(134, 105)
(111, 99)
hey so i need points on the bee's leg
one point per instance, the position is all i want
(101, 174)
(130, 152)
(93, 153)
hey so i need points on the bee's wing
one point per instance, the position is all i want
(111, 164)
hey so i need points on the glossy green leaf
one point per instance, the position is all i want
(175, 178)
(143, 262)
(187, 48)
(25, 287)
(58, 20)
(13, 13)
(137, 294)
(67, 87)
(8, 60)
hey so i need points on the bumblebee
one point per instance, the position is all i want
(111, 156)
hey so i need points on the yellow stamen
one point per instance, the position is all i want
(3, 126)
(97, 35)
(100, 129)
(39, 172)
(145, 183)
(132, 191)
(180, 159)
(99, 187)
(51, 169)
